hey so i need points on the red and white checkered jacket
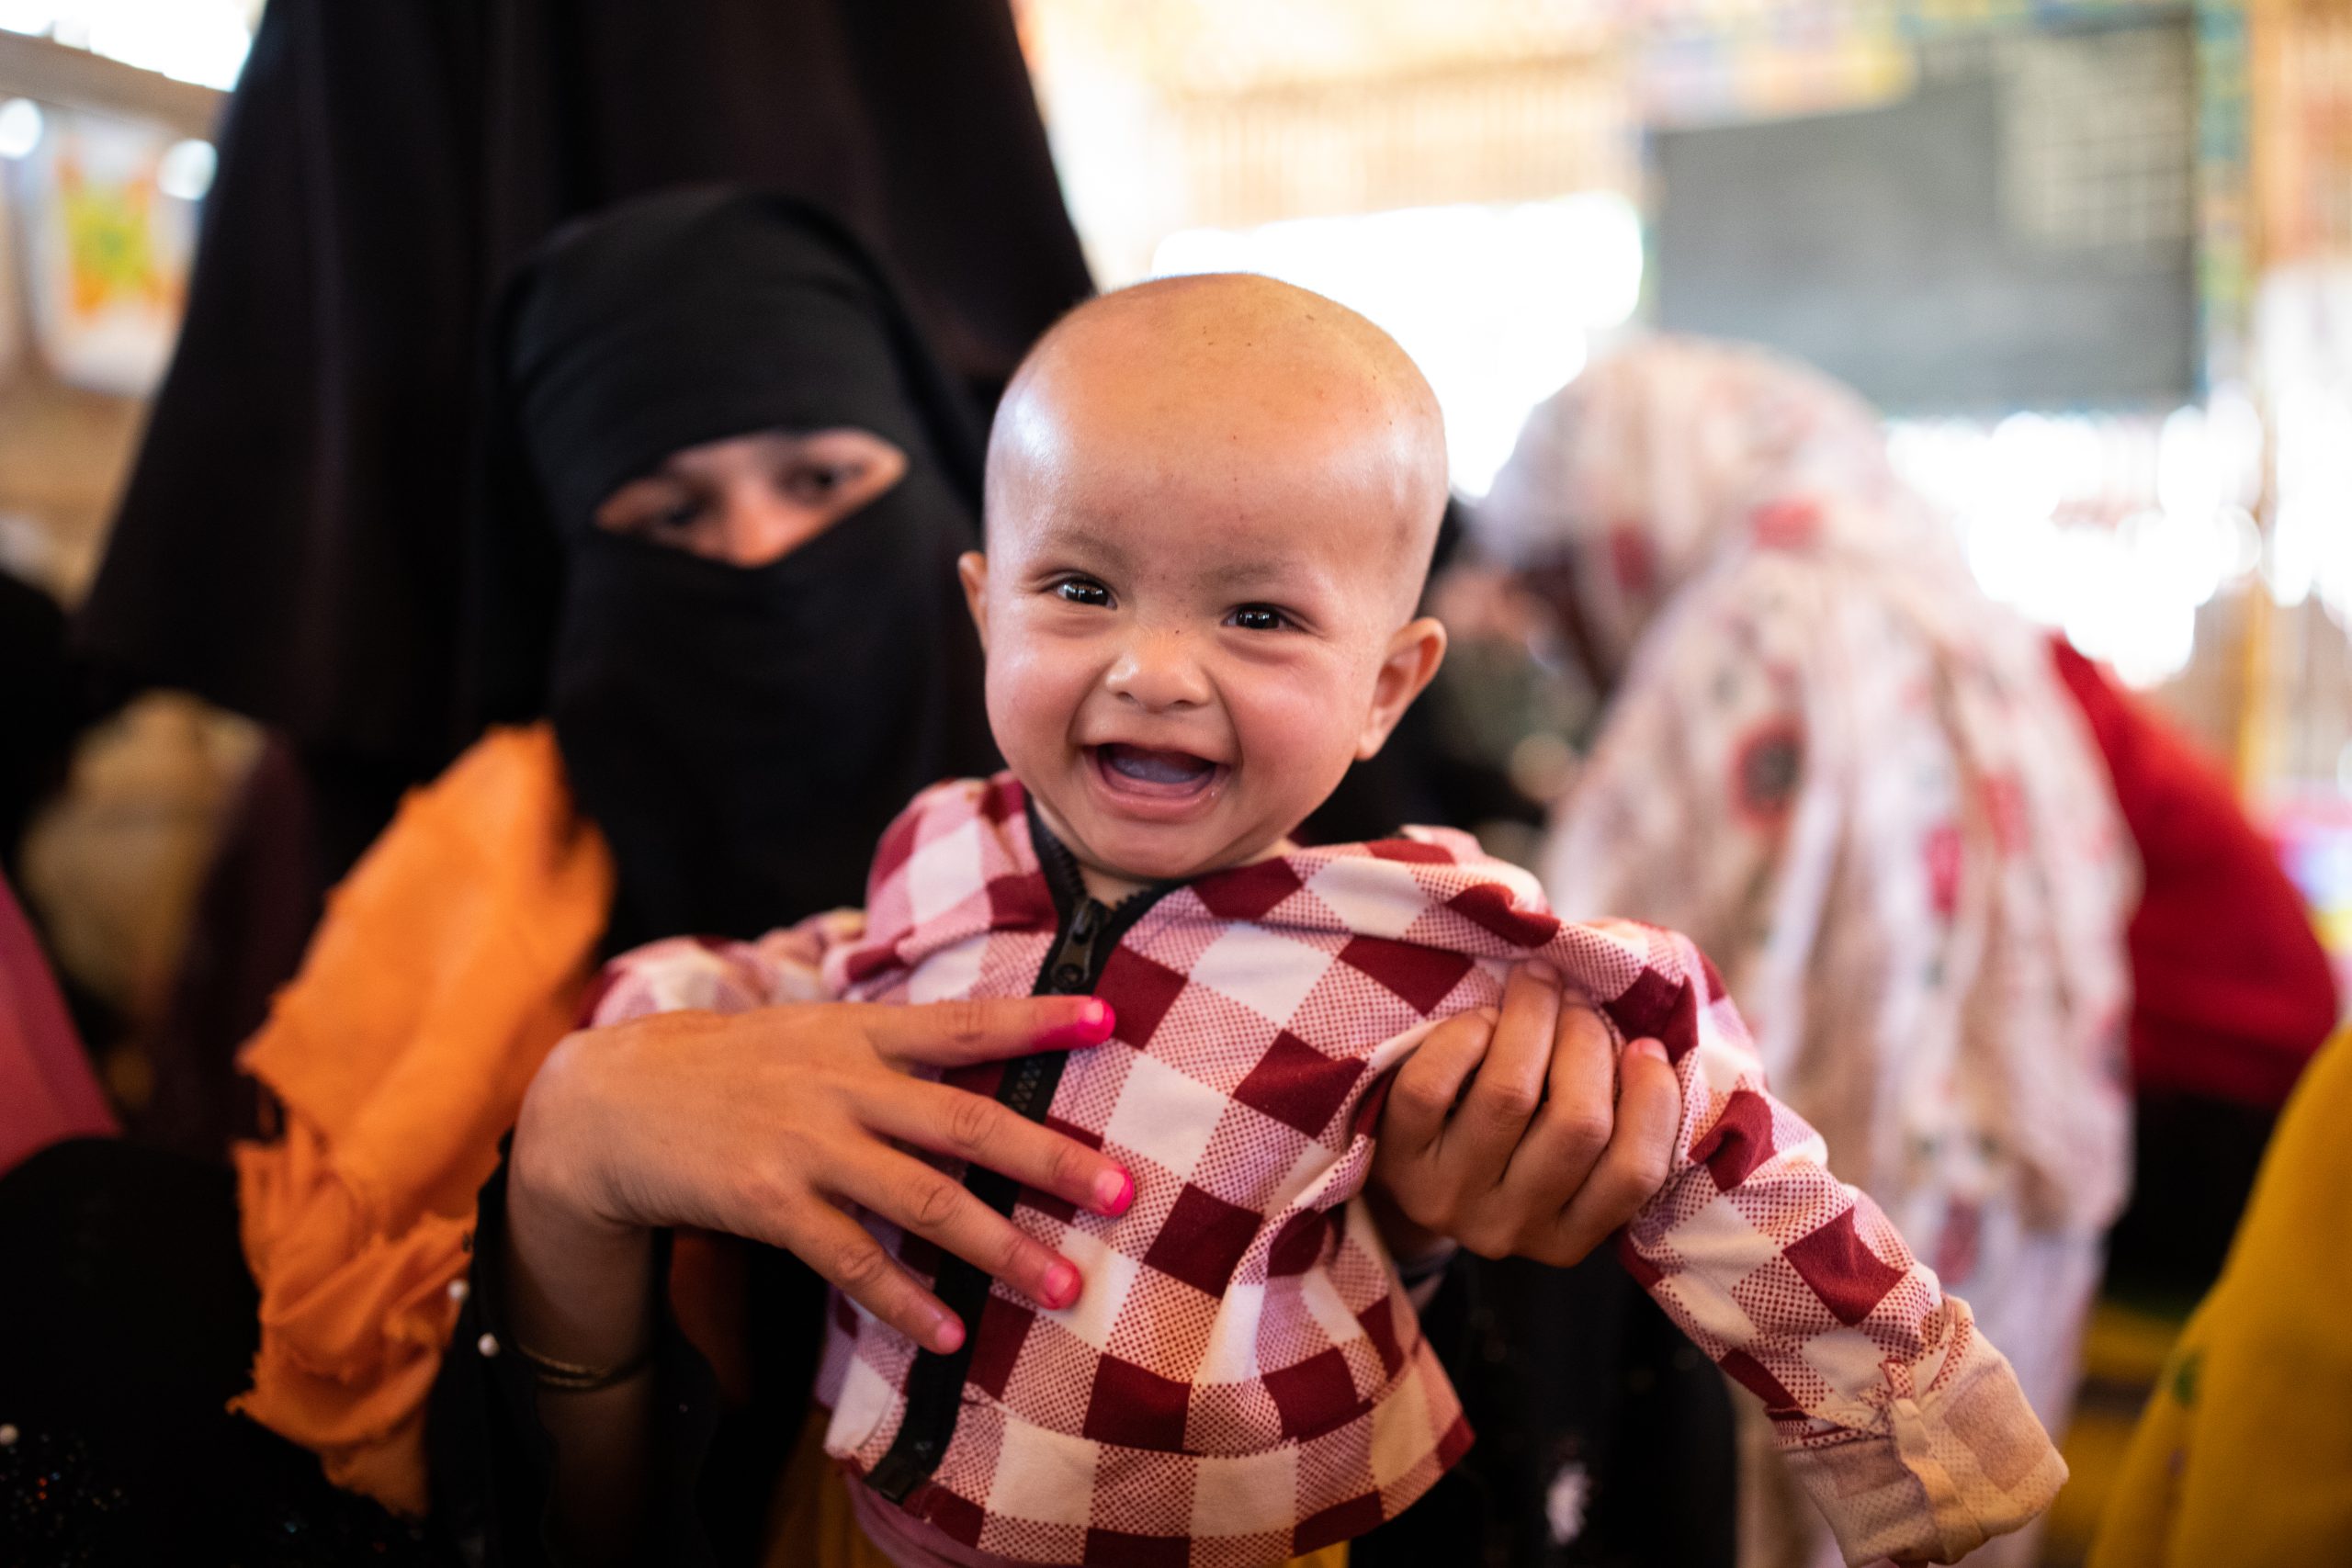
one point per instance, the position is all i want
(1242, 1379)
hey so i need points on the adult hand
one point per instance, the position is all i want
(1523, 1132)
(768, 1125)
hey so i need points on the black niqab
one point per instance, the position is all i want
(741, 735)
(291, 538)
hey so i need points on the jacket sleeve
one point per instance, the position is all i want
(1906, 1426)
(704, 974)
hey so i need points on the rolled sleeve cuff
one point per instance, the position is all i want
(1956, 1465)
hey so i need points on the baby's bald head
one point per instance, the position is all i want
(1230, 388)
(1211, 503)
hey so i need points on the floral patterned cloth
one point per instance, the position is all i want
(1857, 784)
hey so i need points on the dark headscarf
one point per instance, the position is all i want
(291, 538)
(742, 736)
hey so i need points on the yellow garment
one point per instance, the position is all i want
(2244, 1458)
(450, 961)
(812, 1525)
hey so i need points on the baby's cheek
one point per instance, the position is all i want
(1033, 697)
(1298, 730)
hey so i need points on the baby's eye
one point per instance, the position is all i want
(1259, 618)
(1083, 591)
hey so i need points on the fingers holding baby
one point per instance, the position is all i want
(774, 1124)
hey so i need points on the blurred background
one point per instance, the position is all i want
(2093, 261)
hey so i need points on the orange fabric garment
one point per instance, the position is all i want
(449, 962)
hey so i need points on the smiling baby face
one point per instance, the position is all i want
(1211, 503)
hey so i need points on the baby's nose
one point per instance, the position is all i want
(1158, 670)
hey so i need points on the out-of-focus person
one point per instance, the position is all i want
(39, 708)
(47, 1090)
(1859, 785)
(2231, 994)
(2244, 1455)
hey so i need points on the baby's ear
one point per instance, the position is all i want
(972, 570)
(1414, 654)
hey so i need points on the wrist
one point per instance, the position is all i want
(546, 1216)
(550, 1180)
(578, 1285)
(579, 1274)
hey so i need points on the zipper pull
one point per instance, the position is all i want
(1073, 968)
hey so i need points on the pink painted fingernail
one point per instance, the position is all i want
(1060, 1285)
(947, 1337)
(1650, 1048)
(1091, 1027)
(1114, 1191)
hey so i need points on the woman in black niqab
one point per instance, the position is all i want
(285, 546)
(742, 733)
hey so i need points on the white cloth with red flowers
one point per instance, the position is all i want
(1858, 783)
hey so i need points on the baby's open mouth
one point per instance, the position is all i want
(1143, 770)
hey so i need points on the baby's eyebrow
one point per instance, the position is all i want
(1252, 574)
(1267, 573)
(1096, 549)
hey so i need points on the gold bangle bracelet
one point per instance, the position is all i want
(570, 1377)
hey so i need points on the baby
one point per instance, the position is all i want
(1211, 505)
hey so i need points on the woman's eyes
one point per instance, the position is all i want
(818, 484)
(1259, 618)
(1083, 591)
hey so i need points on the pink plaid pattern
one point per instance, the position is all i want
(1242, 1379)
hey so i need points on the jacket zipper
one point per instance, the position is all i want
(1088, 932)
